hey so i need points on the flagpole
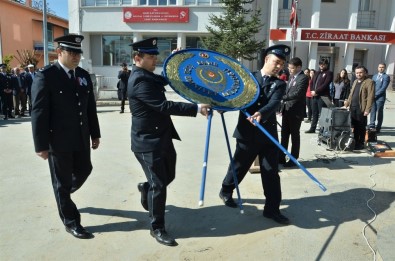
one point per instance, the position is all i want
(293, 33)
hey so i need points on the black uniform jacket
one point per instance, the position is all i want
(267, 104)
(152, 126)
(64, 116)
(294, 100)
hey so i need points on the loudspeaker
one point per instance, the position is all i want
(334, 123)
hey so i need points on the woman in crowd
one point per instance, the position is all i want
(310, 74)
(342, 88)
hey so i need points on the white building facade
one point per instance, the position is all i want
(348, 33)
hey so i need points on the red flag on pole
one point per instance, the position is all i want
(293, 16)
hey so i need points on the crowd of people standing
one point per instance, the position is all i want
(341, 89)
(15, 91)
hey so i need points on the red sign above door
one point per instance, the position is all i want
(156, 15)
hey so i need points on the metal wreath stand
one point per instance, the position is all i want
(208, 77)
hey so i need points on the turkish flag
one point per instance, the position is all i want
(293, 15)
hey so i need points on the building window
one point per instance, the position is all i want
(116, 49)
(49, 32)
(165, 46)
(194, 42)
(158, 2)
(201, 2)
(364, 5)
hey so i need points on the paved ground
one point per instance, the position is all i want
(325, 225)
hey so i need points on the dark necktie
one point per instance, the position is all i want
(291, 81)
(71, 72)
(264, 79)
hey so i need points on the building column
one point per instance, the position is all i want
(273, 18)
(181, 40)
(390, 51)
(315, 23)
(352, 25)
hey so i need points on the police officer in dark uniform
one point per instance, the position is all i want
(5, 92)
(251, 142)
(65, 125)
(153, 131)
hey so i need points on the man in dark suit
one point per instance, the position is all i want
(293, 109)
(123, 76)
(251, 142)
(320, 87)
(153, 131)
(19, 88)
(5, 92)
(65, 125)
(381, 83)
(29, 77)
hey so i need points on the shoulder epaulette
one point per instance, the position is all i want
(45, 67)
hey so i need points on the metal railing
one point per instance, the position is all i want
(129, 2)
(105, 82)
(366, 19)
(105, 2)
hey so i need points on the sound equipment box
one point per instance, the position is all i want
(380, 148)
(335, 128)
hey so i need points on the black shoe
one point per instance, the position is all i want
(278, 217)
(359, 147)
(310, 131)
(121, 112)
(228, 200)
(79, 232)
(142, 187)
(11, 117)
(162, 237)
(289, 164)
(5, 118)
(281, 160)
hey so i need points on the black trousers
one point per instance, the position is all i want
(124, 97)
(69, 171)
(309, 109)
(6, 104)
(358, 122)
(160, 169)
(290, 126)
(316, 105)
(245, 154)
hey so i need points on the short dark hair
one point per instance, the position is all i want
(324, 61)
(123, 65)
(361, 67)
(295, 61)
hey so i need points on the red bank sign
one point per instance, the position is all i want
(156, 15)
(347, 36)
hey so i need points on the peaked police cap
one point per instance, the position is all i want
(280, 50)
(148, 46)
(70, 42)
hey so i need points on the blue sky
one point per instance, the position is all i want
(60, 7)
